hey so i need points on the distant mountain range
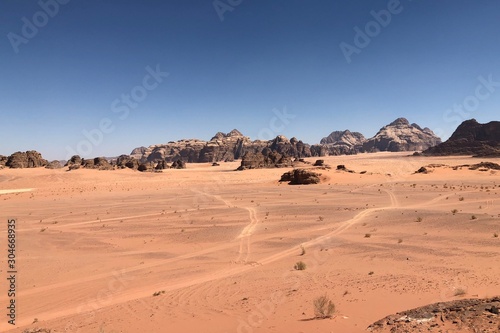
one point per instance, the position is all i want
(470, 138)
(397, 136)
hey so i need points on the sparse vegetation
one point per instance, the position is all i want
(419, 219)
(495, 235)
(454, 211)
(158, 293)
(323, 307)
(321, 218)
(473, 217)
(37, 330)
(371, 273)
(368, 235)
(300, 266)
(400, 241)
(460, 292)
(461, 199)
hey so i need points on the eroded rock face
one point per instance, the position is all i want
(222, 147)
(260, 160)
(301, 177)
(29, 159)
(401, 136)
(342, 143)
(471, 138)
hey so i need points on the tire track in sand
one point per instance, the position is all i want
(142, 292)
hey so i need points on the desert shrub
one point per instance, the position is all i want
(323, 307)
(300, 266)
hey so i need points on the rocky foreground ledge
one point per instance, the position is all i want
(470, 315)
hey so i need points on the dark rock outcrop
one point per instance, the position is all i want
(179, 164)
(401, 136)
(471, 138)
(125, 161)
(100, 163)
(29, 159)
(260, 160)
(301, 177)
(74, 160)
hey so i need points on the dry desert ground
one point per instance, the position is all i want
(209, 249)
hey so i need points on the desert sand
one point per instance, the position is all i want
(209, 249)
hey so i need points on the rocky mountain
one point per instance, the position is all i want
(471, 138)
(344, 138)
(340, 143)
(400, 135)
(221, 147)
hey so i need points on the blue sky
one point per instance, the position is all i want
(69, 77)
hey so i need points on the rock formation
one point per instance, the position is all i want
(471, 138)
(100, 163)
(271, 159)
(401, 136)
(125, 161)
(3, 161)
(340, 143)
(301, 177)
(29, 159)
(221, 147)
(179, 164)
(54, 165)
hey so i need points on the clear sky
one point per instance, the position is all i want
(70, 66)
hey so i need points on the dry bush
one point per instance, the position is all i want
(300, 266)
(323, 307)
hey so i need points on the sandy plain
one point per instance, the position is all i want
(209, 249)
